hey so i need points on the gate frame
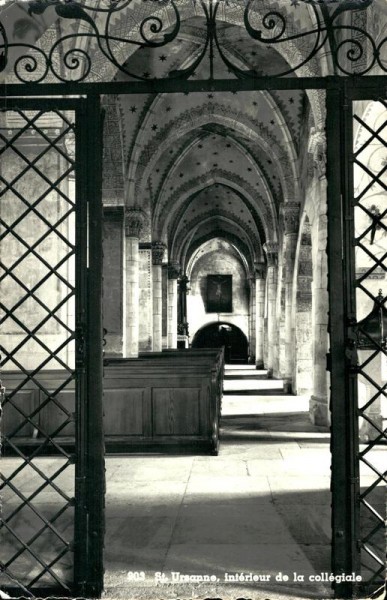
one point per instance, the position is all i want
(89, 441)
(339, 91)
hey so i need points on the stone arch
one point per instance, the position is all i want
(180, 245)
(238, 123)
(303, 314)
(218, 256)
(243, 250)
(211, 113)
(236, 343)
(264, 213)
(184, 195)
(234, 241)
(160, 193)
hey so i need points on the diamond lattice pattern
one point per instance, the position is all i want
(370, 187)
(37, 318)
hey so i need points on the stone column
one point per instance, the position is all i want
(260, 286)
(319, 402)
(173, 274)
(165, 305)
(113, 280)
(134, 221)
(303, 338)
(319, 405)
(279, 344)
(290, 214)
(183, 287)
(251, 294)
(158, 249)
(271, 249)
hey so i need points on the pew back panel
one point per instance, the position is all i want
(158, 402)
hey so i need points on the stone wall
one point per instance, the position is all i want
(220, 261)
(32, 251)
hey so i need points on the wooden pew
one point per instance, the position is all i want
(180, 393)
(168, 401)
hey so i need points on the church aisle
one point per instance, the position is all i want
(261, 508)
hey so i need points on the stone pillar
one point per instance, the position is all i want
(319, 404)
(134, 221)
(173, 274)
(279, 356)
(290, 214)
(251, 291)
(113, 280)
(183, 287)
(164, 274)
(271, 249)
(260, 286)
(158, 249)
(303, 383)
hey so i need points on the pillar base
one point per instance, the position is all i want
(270, 373)
(259, 365)
(319, 411)
(288, 386)
(182, 341)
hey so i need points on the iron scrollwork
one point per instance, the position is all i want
(70, 57)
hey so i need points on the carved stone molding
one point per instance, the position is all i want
(290, 212)
(158, 249)
(271, 249)
(173, 271)
(317, 149)
(260, 270)
(377, 273)
(134, 222)
(184, 284)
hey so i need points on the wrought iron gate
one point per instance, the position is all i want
(356, 225)
(51, 347)
(358, 319)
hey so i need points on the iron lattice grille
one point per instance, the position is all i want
(107, 33)
(370, 341)
(37, 319)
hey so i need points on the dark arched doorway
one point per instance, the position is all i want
(221, 334)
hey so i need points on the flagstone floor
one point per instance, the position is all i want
(251, 523)
(255, 519)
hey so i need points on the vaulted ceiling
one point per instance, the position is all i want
(200, 164)
(210, 164)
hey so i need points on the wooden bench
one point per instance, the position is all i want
(168, 401)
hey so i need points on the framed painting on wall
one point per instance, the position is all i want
(219, 293)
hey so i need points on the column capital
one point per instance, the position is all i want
(134, 222)
(260, 270)
(290, 212)
(158, 249)
(173, 270)
(271, 249)
(184, 283)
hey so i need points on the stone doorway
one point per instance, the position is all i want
(223, 334)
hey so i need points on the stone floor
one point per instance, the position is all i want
(261, 509)
(248, 520)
